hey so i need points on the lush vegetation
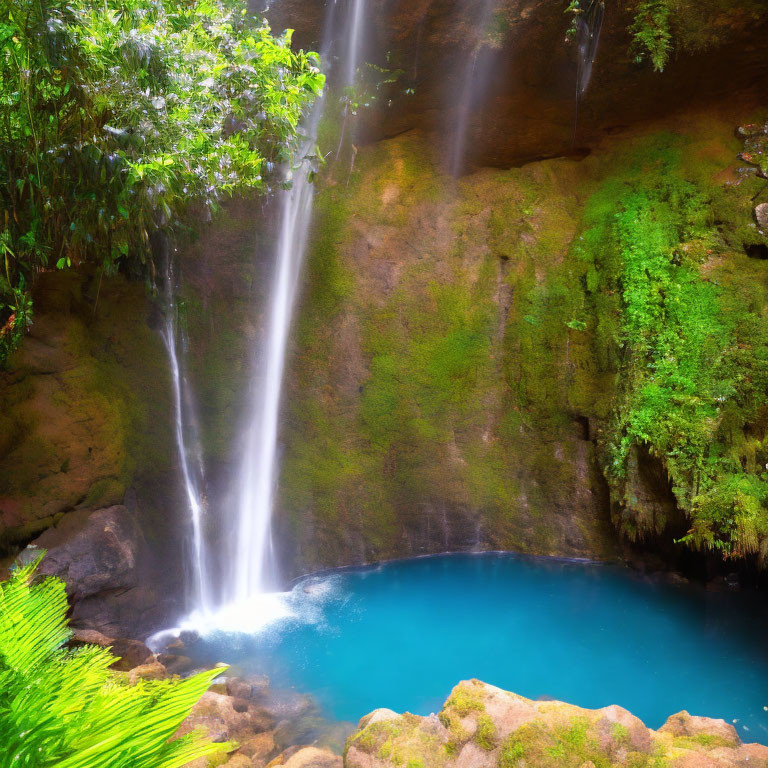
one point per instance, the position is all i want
(117, 117)
(688, 341)
(658, 27)
(63, 707)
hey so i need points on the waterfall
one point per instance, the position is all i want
(186, 433)
(254, 569)
(474, 77)
(588, 26)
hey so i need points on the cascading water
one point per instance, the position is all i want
(474, 77)
(254, 572)
(187, 441)
(588, 27)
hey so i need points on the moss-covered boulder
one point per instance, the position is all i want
(481, 726)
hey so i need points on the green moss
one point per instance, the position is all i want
(96, 419)
(569, 746)
(684, 330)
(401, 742)
(456, 340)
(706, 740)
(485, 735)
(464, 699)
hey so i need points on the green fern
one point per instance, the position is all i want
(63, 707)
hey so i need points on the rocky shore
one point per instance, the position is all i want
(265, 727)
(481, 726)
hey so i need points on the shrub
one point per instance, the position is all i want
(117, 116)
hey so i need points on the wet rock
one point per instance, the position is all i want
(176, 663)
(239, 689)
(290, 705)
(99, 557)
(153, 670)
(89, 637)
(215, 714)
(131, 653)
(260, 719)
(93, 552)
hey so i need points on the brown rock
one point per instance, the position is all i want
(97, 556)
(311, 757)
(761, 214)
(215, 714)
(239, 761)
(177, 664)
(153, 670)
(90, 637)
(131, 653)
(259, 748)
(684, 724)
(615, 736)
(638, 735)
(260, 719)
(238, 688)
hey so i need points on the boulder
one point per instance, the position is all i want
(761, 214)
(215, 714)
(130, 653)
(89, 637)
(153, 670)
(311, 757)
(481, 726)
(97, 554)
(259, 748)
(684, 725)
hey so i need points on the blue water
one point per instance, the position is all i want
(403, 634)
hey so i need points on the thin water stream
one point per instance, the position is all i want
(473, 81)
(186, 434)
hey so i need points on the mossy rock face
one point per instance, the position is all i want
(474, 359)
(486, 727)
(85, 404)
(677, 309)
(431, 394)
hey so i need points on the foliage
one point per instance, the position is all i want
(658, 26)
(692, 356)
(63, 707)
(118, 117)
(651, 34)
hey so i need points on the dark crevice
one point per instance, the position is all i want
(756, 250)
